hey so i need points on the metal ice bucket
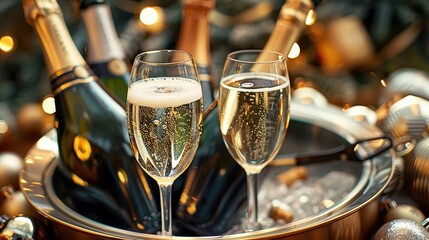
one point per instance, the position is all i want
(312, 128)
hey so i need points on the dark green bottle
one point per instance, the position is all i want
(214, 190)
(94, 147)
(213, 177)
(104, 52)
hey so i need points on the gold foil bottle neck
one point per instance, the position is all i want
(58, 47)
(296, 9)
(35, 8)
(206, 4)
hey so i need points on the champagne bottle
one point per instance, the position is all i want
(194, 38)
(213, 177)
(214, 191)
(105, 54)
(289, 26)
(94, 148)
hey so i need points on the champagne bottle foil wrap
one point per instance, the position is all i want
(296, 10)
(88, 3)
(34, 8)
(205, 4)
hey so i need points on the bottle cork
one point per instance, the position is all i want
(279, 213)
(290, 176)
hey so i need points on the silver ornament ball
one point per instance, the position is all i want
(401, 229)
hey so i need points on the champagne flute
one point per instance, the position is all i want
(254, 105)
(164, 117)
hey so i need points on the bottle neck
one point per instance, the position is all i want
(86, 3)
(58, 47)
(283, 37)
(194, 35)
(103, 41)
(64, 63)
(289, 25)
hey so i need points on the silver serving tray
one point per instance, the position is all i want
(349, 218)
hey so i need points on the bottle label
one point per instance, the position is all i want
(203, 73)
(113, 68)
(206, 85)
(66, 78)
(117, 67)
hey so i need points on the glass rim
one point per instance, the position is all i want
(170, 51)
(280, 55)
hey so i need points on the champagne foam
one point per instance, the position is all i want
(164, 92)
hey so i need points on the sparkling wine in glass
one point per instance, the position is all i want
(164, 117)
(254, 105)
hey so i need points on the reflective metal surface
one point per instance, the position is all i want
(403, 82)
(416, 163)
(21, 227)
(312, 128)
(405, 118)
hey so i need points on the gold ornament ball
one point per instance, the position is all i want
(404, 211)
(30, 119)
(14, 203)
(10, 166)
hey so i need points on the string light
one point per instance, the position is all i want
(6, 44)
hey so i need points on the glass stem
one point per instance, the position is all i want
(166, 222)
(252, 199)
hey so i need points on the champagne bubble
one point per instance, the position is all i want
(167, 89)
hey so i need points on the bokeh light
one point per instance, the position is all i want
(48, 105)
(311, 18)
(4, 127)
(294, 51)
(149, 15)
(6, 43)
(152, 19)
